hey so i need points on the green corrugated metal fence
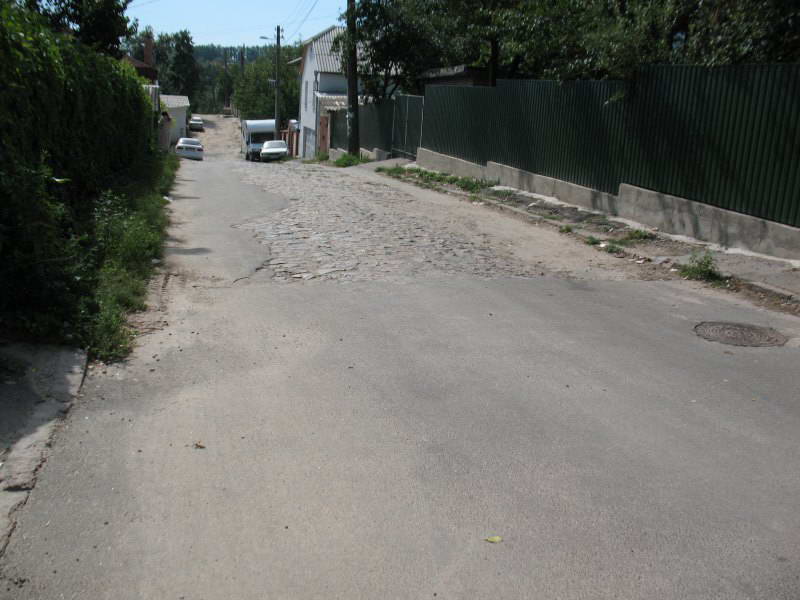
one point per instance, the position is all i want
(393, 125)
(729, 136)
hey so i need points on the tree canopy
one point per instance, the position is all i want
(567, 39)
(100, 24)
(254, 89)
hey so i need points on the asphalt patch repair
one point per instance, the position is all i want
(740, 334)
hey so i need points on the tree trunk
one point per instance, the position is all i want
(494, 60)
(353, 144)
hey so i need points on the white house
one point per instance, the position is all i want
(323, 87)
(177, 107)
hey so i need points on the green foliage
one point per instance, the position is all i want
(639, 235)
(178, 69)
(100, 24)
(396, 45)
(592, 241)
(350, 160)
(565, 229)
(395, 171)
(701, 268)
(254, 94)
(572, 39)
(73, 123)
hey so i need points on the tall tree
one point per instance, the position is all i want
(101, 24)
(182, 74)
(253, 91)
(396, 43)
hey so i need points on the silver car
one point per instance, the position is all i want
(189, 148)
(274, 150)
(196, 124)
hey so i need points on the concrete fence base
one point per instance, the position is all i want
(374, 154)
(669, 214)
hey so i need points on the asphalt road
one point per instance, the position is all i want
(359, 434)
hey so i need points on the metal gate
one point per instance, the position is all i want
(407, 125)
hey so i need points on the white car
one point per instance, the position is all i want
(196, 124)
(189, 148)
(274, 149)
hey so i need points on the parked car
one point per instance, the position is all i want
(196, 124)
(273, 150)
(189, 148)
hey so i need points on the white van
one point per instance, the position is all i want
(254, 134)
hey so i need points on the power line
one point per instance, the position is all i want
(296, 12)
(299, 27)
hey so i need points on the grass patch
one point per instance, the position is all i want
(701, 268)
(613, 248)
(431, 179)
(502, 194)
(592, 241)
(350, 160)
(395, 171)
(639, 235)
(635, 236)
(565, 229)
(321, 157)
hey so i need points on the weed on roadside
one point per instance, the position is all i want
(350, 160)
(129, 231)
(592, 241)
(502, 194)
(612, 248)
(701, 268)
(565, 229)
(635, 236)
(639, 235)
(395, 171)
(320, 157)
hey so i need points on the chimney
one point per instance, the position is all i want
(149, 54)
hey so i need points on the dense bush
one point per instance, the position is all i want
(73, 124)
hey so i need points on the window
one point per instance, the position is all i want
(305, 98)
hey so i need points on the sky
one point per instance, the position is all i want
(237, 22)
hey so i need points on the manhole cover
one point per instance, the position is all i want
(739, 334)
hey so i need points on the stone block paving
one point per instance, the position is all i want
(339, 227)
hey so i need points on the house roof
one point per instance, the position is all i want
(331, 101)
(175, 101)
(327, 61)
(334, 101)
(148, 71)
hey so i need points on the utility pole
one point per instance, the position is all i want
(278, 83)
(353, 144)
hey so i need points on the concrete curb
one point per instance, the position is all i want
(670, 214)
(42, 394)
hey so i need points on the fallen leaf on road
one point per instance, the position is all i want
(494, 539)
(199, 446)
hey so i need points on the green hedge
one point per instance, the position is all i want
(73, 123)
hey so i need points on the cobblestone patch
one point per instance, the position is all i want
(339, 227)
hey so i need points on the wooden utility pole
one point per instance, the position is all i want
(278, 83)
(353, 145)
